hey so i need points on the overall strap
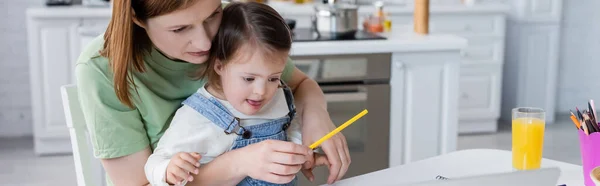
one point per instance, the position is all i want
(215, 112)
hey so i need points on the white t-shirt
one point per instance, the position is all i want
(190, 131)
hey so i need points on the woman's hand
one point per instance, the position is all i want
(273, 160)
(317, 124)
(312, 107)
(319, 160)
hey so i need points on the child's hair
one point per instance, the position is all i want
(255, 24)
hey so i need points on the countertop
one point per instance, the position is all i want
(395, 42)
(284, 8)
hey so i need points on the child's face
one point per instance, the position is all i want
(250, 80)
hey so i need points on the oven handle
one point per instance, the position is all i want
(344, 94)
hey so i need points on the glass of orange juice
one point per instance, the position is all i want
(528, 126)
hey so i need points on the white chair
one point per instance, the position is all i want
(88, 169)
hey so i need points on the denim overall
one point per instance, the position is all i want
(220, 116)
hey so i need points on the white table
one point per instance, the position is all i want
(458, 164)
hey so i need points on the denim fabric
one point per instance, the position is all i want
(220, 116)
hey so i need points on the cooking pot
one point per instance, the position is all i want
(335, 19)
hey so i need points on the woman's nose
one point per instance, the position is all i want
(200, 40)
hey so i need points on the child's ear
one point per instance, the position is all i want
(218, 67)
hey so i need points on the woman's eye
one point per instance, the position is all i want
(178, 30)
(212, 16)
(274, 80)
(249, 79)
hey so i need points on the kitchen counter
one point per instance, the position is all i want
(395, 42)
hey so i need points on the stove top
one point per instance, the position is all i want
(308, 34)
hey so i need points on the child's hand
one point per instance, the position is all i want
(181, 165)
(314, 160)
(273, 161)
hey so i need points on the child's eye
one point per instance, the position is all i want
(274, 79)
(249, 79)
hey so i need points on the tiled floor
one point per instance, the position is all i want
(19, 166)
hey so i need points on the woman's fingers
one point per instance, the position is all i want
(344, 157)
(333, 156)
(319, 160)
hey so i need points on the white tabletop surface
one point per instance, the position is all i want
(459, 164)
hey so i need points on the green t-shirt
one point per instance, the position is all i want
(117, 130)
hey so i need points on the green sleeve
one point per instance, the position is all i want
(288, 70)
(114, 129)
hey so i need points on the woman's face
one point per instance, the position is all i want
(186, 34)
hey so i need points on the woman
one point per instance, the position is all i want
(133, 79)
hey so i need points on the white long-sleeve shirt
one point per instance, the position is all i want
(190, 131)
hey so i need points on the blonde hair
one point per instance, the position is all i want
(126, 43)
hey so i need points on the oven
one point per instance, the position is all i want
(352, 83)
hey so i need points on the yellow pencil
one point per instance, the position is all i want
(340, 128)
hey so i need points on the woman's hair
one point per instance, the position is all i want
(255, 25)
(126, 43)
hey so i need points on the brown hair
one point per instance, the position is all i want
(251, 23)
(126, 43)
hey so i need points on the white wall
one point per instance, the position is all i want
(15, 109)
(579, 70)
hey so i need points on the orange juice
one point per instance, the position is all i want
(527, 142)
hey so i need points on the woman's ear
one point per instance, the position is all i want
(219, 67)
(137, 21)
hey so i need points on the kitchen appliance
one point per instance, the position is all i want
(58, 2)
(335, 19)
(352, 83)
(308, 34)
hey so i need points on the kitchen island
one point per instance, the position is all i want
(416, 85)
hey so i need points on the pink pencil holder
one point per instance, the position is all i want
(590, 154)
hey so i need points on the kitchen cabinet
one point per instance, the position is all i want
(479, 99)
(424, 96)
(55, 40)
(532, 57)
(52, 52)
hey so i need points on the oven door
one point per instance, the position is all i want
(368, 137)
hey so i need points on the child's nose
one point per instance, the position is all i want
(259, 89)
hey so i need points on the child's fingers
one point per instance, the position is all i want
(181, 174)
(174, 179)
(196, 155)
(190, 159)
(186, 166)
